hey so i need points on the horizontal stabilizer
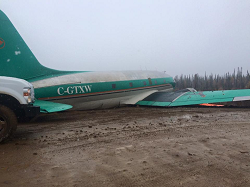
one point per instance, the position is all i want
(49, 107)
(192, 97)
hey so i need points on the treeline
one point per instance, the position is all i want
(235, 80)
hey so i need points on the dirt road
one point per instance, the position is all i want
(131, 147)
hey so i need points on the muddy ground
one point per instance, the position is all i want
(132, 146)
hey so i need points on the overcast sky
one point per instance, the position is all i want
(176, 36)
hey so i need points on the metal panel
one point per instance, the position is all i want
(191, 97)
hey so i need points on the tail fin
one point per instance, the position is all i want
(16, 59)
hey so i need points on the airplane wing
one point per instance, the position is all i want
(193, 97)
(49, 107)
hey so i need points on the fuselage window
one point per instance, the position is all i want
(150, 81)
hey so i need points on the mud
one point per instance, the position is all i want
(132, 146)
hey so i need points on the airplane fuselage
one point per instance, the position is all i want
(92, 90)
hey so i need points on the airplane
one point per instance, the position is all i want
(83, 90)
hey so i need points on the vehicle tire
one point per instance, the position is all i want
(8, 122)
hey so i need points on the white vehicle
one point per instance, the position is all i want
(16, 102)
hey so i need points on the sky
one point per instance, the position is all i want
(176, 36)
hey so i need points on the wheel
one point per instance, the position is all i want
(8, 122)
